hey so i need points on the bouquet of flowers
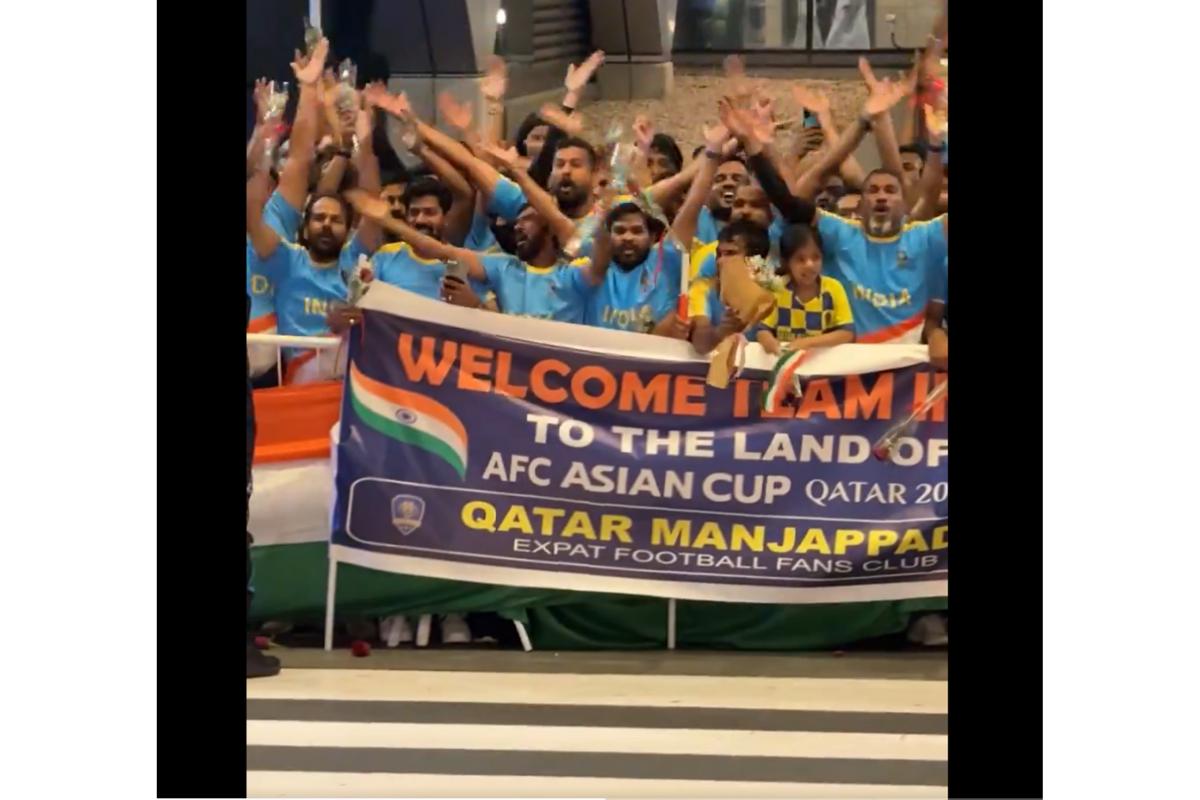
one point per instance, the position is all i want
(763, 272)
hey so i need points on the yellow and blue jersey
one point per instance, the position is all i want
(636, 299)
(397, 264)
(704, 299)
(793, 318)
(888, 280)
(558, 292)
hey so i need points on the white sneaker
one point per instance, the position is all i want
(395, 631)
(929, 630)
(455, 630)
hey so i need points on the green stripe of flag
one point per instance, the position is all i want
(409, 435)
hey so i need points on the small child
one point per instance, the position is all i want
(811, 309)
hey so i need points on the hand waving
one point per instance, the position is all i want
(578, 77)
(308, 69)
(453, 112)
(495, 82)
(811, 98)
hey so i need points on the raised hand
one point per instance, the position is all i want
(936, 124)
(454, 113)
(506, 159)
(495, 82)
(811, 98)
(885, 94)
(363, 126)
(369, 205)
(739, 84)
(762, 113)
(570, 124)
(308, 69)
(377, 95)
(643, 131)
(578, 77)
(736, 120)
(262, 98)
(715, 137)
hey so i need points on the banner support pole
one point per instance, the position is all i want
(330, 596)
(671, 624)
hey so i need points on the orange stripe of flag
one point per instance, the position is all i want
(416, 402)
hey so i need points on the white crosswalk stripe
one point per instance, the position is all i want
(417, 733)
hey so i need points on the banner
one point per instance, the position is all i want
(471, 449)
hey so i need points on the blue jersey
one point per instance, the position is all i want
(398, 265)
(281, 217)
(304, 289)
(637, 298)
(507, 201)
(285, 221)
(559, 292)
(480, 237)
(889, 280)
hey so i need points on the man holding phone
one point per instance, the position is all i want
(426, 201)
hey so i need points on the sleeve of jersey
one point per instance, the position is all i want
(843, 317)
(833, 229)
(508, 199)
(281, 217)
(274, 267)
(480, 237)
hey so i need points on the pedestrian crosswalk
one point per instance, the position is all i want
(427, 733)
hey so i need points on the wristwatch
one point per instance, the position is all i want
(865, 119)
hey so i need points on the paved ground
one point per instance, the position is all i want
(457, 723)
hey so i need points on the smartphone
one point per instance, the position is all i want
(810, 119)
(456, 269)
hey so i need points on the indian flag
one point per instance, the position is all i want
(410, 418)
(782, 376)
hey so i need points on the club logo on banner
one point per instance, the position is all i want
(607, 464)
(407, 512)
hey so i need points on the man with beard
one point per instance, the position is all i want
(310, 273)
(426, 202)
(287, 192)
(886, 264)
(640, 290)
(731, 176)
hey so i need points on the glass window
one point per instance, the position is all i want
(733, 25)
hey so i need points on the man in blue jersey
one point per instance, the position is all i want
(426, 201)
(310, 274)
(886, 263)
(285, 197)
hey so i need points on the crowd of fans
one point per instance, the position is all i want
(552, 226)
